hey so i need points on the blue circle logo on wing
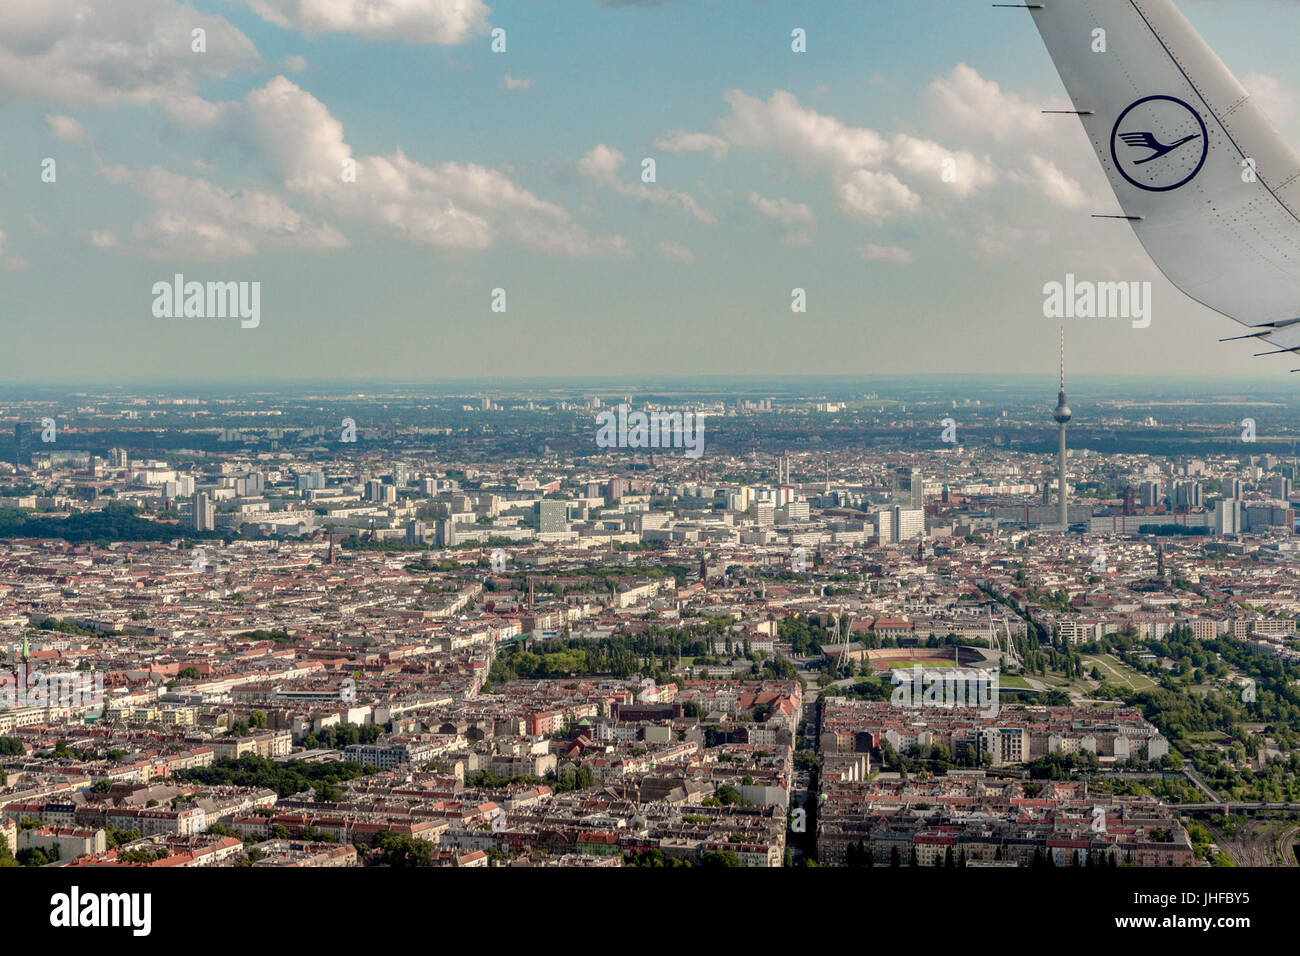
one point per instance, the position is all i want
(1159, 144)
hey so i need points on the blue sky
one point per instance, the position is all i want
(521, 170)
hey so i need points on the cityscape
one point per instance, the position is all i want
(403, 628)
(725, 436)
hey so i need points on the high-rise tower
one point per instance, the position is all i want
(1062, 415)
(22, 443)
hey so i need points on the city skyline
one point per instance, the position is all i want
(472, 628)
(649, 435)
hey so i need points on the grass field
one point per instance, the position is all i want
(1056, 681)
(1115, 671)
(908, 665)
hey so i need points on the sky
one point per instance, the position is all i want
(521, 170)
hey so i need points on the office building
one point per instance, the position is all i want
(552, 516)
(379, 492)
(1264, 516)
(204, 517)
(883, 525)
(1187, 495)
(446, 533)
(908, 488)
(909, 524)
(310, 481)
(1227, 517)
(22, 443)
(182, 487)
(1150, 494)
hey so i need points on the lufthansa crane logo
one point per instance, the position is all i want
(1159, 144)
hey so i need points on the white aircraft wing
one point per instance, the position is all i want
(1210, 186)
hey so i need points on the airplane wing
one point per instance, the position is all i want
(1219, 214)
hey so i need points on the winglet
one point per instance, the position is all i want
(1209, 185)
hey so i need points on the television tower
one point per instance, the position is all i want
(1062, 415)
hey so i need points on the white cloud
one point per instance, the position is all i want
(449, 206)
(874, 176)
(412, 21)
(680, 141)
(875, 196)
(893, 254)
(1047, 155)
(516, 83)
(965, 101)
(77, 52)
(104, 239)
(197, 219)
(997, 240)
(784, 211)
(1055, 185)
(297, 134)
(602, 165)
(814, 141)
(676, 253)
(65, 128)
(1274, 97)
(930, 163)
(293, 63)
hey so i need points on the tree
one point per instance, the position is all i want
(113, 837)
(728, 795)
(402, 851)
(328, 793)
(34, 857)
(724, 858)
